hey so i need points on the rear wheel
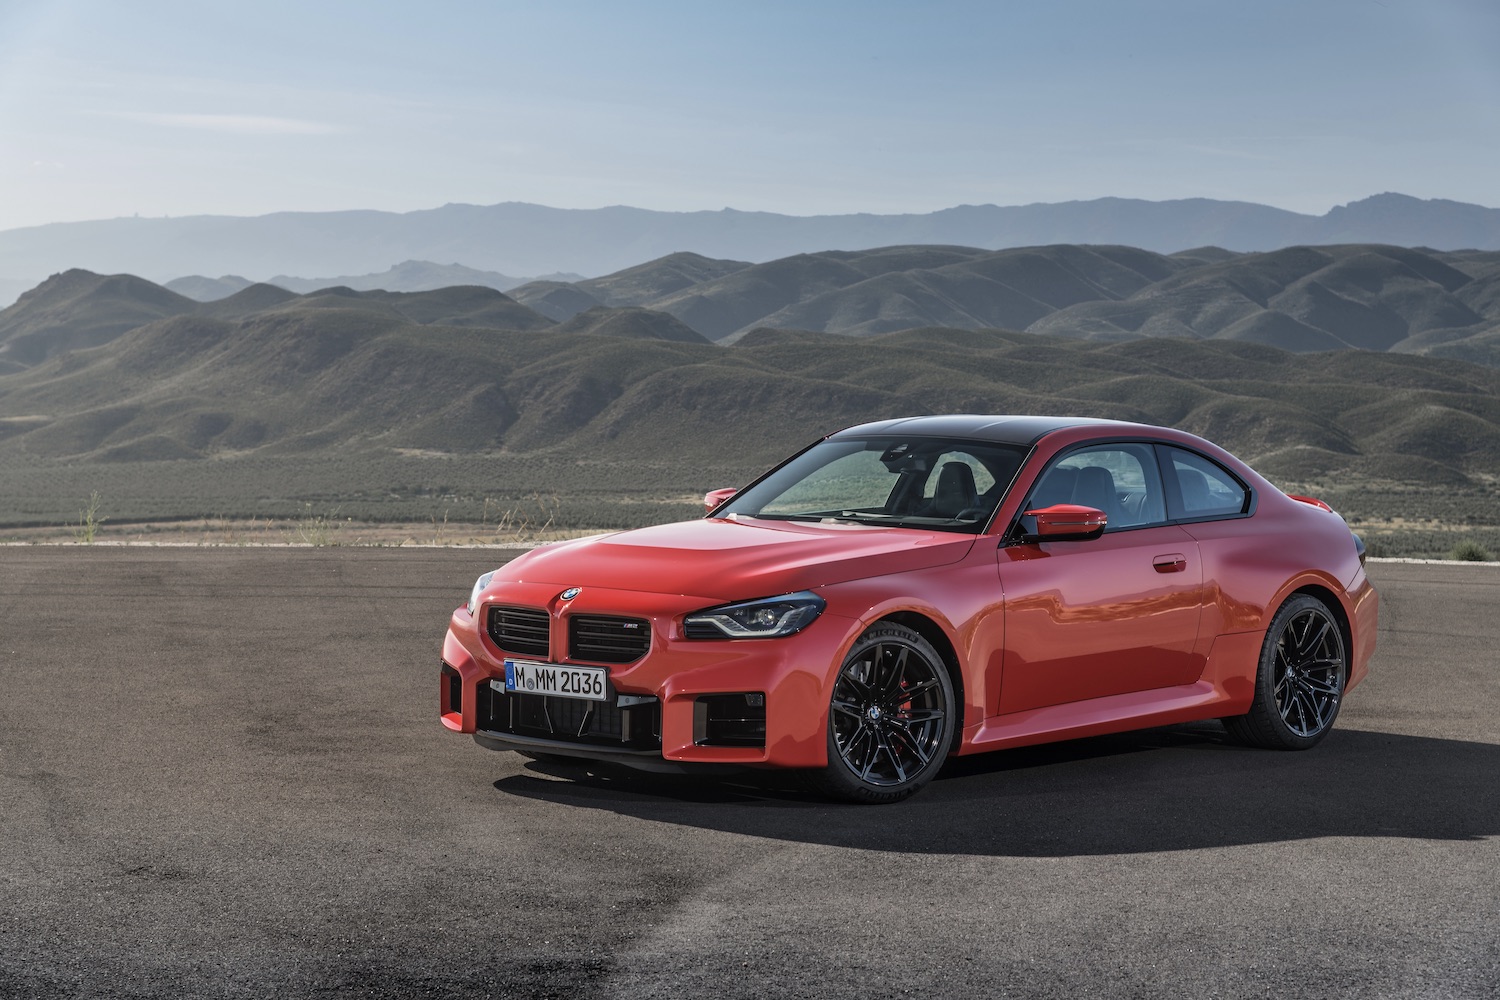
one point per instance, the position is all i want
(890, 718)
(1299, 685)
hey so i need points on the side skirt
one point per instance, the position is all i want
(1226, 688)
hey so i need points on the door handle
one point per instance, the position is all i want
(1171, 562)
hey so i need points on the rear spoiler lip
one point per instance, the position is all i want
(1313, 502)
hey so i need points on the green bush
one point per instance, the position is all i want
(1470, 551)
(89, 520)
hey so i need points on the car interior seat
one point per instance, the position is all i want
(1056, 488)
(1196, 497)
(1096, 488)
(955, 491)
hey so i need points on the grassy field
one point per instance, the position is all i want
(1412, 521)
(563, 493)
(444, 499)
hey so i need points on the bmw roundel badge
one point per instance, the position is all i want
(570, 593)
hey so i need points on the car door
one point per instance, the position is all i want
(1105, 616)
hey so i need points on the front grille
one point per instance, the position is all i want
(604, 639)
(521, 631)
(634, 726)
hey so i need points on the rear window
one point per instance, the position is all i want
(1205, 488)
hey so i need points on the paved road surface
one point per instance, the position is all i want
(221, 775)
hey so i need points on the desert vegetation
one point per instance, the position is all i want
(441, 411)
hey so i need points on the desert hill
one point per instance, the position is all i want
(78, 309)
(522, 239)
(200, 288)
(657, 278)
(1370, 297)
(632, 323)
(1303, 298)
(409, 276)
(344, 372)
(557, 300)
(249, 299)
(633, 286)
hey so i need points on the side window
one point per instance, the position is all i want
(1120, 479)
(1204, 488)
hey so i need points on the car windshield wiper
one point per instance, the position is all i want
(852, 516)
(788, 517)
(864, 517)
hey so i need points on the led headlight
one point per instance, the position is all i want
(479, 585)
(767, 618)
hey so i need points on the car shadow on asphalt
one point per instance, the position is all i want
(1179, 788)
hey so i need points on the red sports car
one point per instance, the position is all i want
(911, 589)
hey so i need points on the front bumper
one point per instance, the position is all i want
(669, 694)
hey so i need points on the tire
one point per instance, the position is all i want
(891, 718)
(1299, 684)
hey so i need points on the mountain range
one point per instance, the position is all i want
(1370, 297)
(522, 239)
(1300, 299)
(408, 276)
(116, 369)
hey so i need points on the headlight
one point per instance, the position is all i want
(479, 585)
(768, 618)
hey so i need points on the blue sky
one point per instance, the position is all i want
(158, 108)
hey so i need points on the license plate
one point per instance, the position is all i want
(584, 683)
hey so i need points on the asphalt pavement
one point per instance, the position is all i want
(222, 775)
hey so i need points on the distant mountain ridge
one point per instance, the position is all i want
(1299, 299)
(408, 276)
(1364, 296)
(518, 238)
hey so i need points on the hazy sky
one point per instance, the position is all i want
(175, 108)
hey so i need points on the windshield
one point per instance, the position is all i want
(946, 484)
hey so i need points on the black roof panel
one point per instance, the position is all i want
(1002, 429)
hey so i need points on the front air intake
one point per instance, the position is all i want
(520, 631)
(605, 639)
(452, 691)
(730, 720)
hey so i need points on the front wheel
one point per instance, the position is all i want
(1300, 681)
(891, 718)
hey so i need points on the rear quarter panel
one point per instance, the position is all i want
(1253, 564)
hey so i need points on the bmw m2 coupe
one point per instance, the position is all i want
(904, 591)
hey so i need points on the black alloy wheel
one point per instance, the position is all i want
(891, 718)
(1299, 686)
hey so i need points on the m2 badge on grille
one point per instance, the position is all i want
(529, 677)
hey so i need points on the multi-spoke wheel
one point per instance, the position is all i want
(891, 718)
(1300, 682)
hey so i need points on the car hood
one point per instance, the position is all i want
(736, 559)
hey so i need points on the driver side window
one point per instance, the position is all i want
(1120, 479)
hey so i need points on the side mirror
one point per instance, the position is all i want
(714, 499)
(1067, 522)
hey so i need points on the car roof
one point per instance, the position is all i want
(1021, 430)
